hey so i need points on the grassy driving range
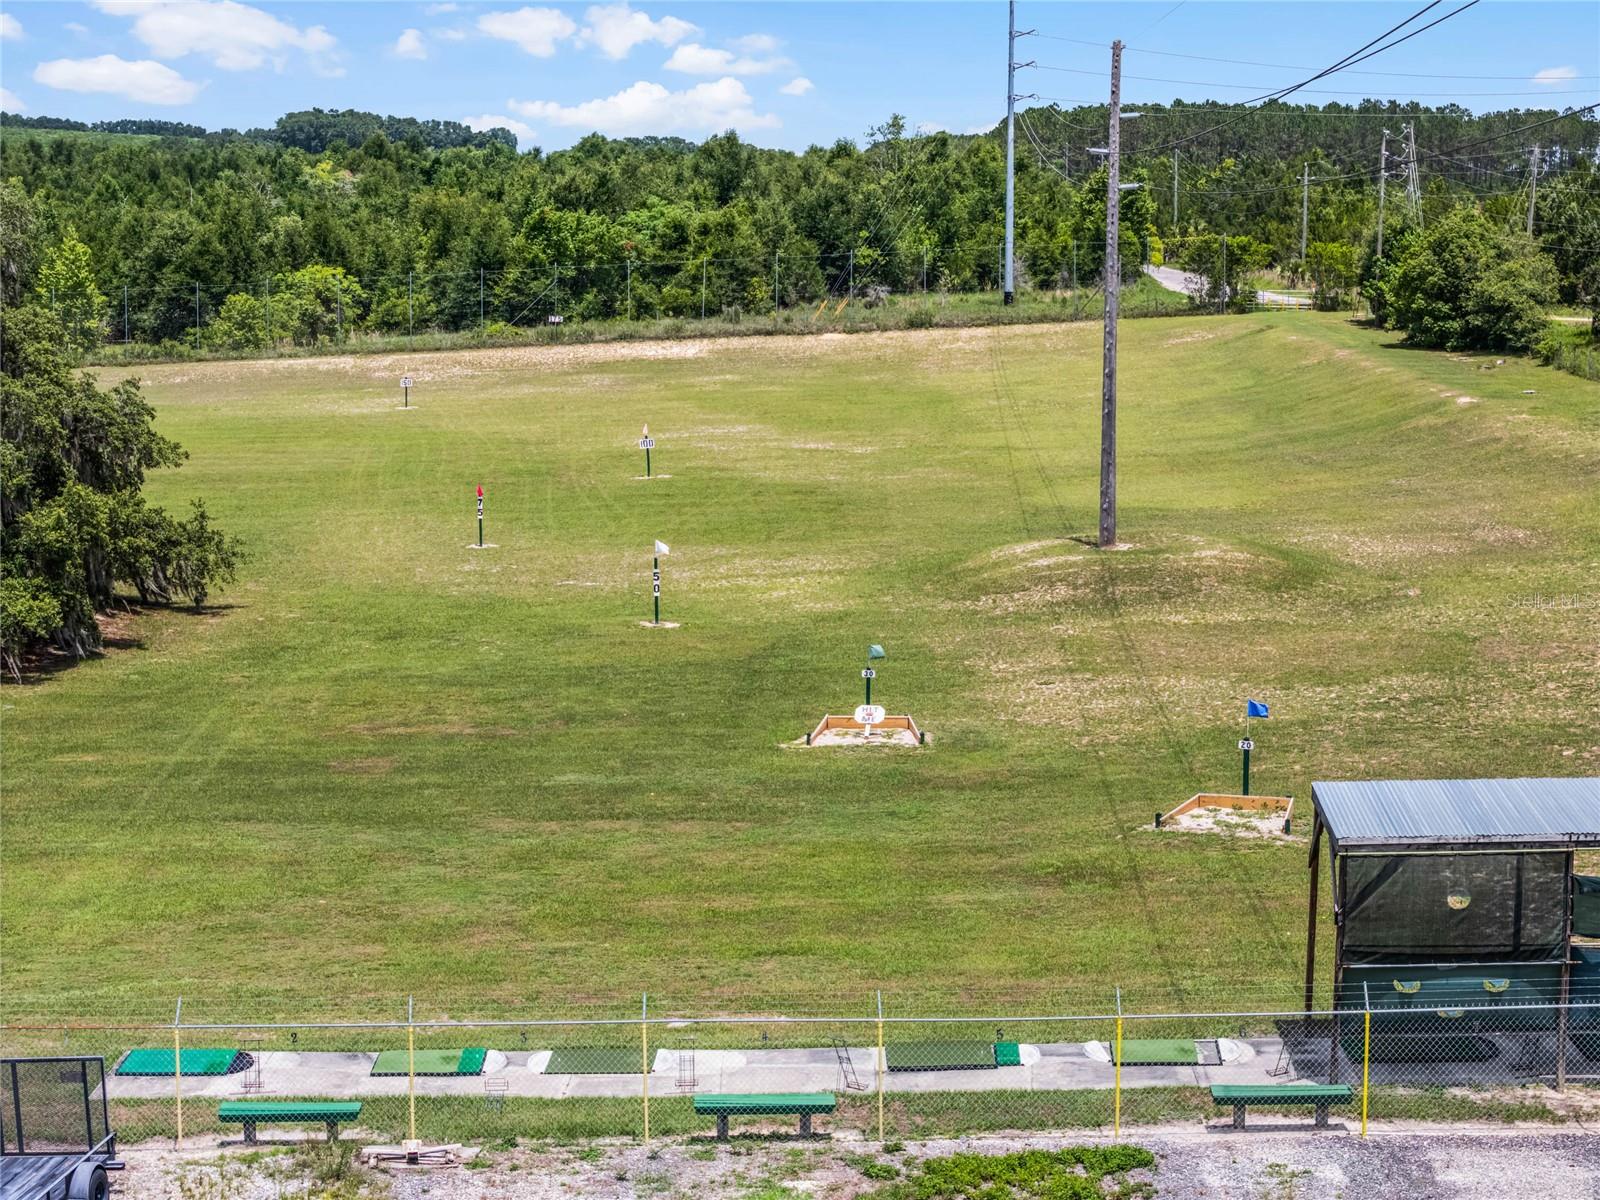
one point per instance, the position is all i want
(387, 763)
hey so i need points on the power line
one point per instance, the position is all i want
(1246, 87)
(1246, 62)
(1359, 55)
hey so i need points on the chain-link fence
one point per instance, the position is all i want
(884, 1073)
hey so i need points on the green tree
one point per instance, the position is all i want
(1465, 284)
(241, 325)
(66, 283)
(73, 521)
(1335, 269)
(1224, 266)
(316, 302)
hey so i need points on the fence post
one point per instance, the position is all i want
(411, 1068)
(1366, 1055)
(177, 1068)
(411, 314)
(197, 315)
(881, 1061)
(1116, 1053)
(124, 314)
(480, 299)
(644, 1061)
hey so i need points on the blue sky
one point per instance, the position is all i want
(785, 74)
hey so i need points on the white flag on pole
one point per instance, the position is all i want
(661, 548)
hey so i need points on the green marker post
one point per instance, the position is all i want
(873, 652)
(480, 516)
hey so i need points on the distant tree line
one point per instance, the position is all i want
(337, 221)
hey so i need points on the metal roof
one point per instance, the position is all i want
(1509, 812)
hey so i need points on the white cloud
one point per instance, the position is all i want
(74, 27)
(10, 27)
(616, 29)
(755, 43)
(798, 86)
(145, 80)
(927, 128)
(1556, 75)
(524, 131)
(433, 10)
(234, 36)
(450, 35)
(10, 101)
(691, 58)
(649, 108)
(410, 44)
(534, 30)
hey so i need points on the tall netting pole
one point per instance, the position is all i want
(1366, 1055)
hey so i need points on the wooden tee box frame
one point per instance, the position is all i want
(1257, 804)
(890, 721)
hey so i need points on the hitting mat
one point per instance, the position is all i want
(430, 1062)
(594, 1060)
(196, 1061)
(940, 1056)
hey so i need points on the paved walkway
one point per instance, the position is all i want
(1058, 1065)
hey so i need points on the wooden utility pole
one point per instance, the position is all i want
(1383, 177)
(1175, 193)
(1305, 199)
(1533, 185)
(1113, 279)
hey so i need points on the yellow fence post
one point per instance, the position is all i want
(880, 1062)
(644, 1061)
(177, 1067)
(1116, 1058)
(411, 1067)
(1366, 1070)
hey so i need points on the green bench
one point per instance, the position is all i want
(1241, 1095)
(250, 1113)
(802, 1104)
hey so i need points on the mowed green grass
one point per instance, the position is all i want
(389, 764)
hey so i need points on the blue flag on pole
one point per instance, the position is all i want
(1254, 708)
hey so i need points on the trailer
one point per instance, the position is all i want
(56, 1141)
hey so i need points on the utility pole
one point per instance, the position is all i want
(1305, 198)
(1008, 291)
(1113, 276)
(1413, 180)
(1533, 185)
(1383, 177)
(1175, 193)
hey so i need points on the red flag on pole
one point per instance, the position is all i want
(480, 491)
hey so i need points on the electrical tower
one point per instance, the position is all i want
(1008, 266)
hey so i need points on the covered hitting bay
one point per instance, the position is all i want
(1453, 895)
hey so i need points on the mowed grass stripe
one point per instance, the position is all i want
(482, 763)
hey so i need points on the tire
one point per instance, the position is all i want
(89, 1182)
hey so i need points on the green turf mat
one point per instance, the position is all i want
(431, 1062)
(594, 1060)
(939, 1056)
(1007, 1054)
(196, 1061)
(1159, 1052)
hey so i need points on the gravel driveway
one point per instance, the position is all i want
(1417, 1162)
